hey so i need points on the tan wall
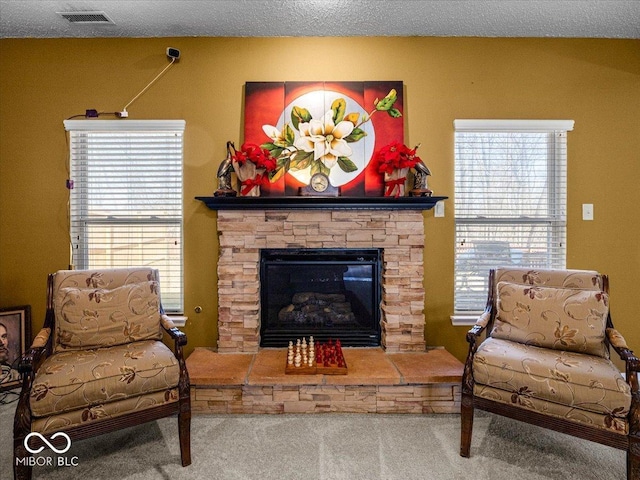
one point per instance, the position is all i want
(594, 82)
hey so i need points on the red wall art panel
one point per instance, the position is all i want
(335, 128)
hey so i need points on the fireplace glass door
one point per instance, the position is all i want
(327, 293)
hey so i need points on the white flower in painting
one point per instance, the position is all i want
(275, 135)
(325, 139)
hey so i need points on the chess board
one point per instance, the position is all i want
(328, 358)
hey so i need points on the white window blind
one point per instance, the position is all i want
(126, 200)
(510, 201)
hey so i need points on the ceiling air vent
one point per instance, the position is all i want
(86, 17)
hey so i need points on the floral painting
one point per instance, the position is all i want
(330, 127)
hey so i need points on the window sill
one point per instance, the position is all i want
(464, 319)
(178, 320)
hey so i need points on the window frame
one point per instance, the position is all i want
(556, 194)
(78, 216)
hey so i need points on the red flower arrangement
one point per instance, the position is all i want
(252, 163)
(394, 160)
(260, 157)
(394, 156)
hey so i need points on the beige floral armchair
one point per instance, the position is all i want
(99, 364)
(545, 360)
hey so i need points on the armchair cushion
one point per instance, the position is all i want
(581, 279)
(559, 318)
(610, 423)
(84, 378)
(101, 411)
(529, 374)
(100, 317)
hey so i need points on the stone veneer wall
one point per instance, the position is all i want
(249, 399)
(242, 233)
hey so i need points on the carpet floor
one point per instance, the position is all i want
(329, 447)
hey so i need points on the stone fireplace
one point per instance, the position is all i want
(245, 233)
(399, 376)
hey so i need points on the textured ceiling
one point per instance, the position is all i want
(275, 18)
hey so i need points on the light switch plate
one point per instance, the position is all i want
(587, 211)
(439, 209)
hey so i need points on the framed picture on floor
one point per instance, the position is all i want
(15, 335)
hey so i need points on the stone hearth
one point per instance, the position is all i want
(242, 233)
(377, 382)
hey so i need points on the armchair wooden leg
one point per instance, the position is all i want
(466, 424)
(22, 468)
(21, 463)
(633, 459)
(184, 433)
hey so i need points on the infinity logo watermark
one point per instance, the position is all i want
(47, 460)
(49, 444)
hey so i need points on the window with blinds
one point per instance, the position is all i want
(126, 198)
(510, 201)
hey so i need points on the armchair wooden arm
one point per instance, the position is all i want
(184, 387)
(27, 366)
(632, 363)
(616, 339)
(484, 321)
(32, 357)
(619, 344)
(479, 327)
(473, 337)
(177, 335)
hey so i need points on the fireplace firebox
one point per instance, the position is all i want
(327, 293)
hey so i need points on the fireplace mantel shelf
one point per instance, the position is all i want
(334, 203)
